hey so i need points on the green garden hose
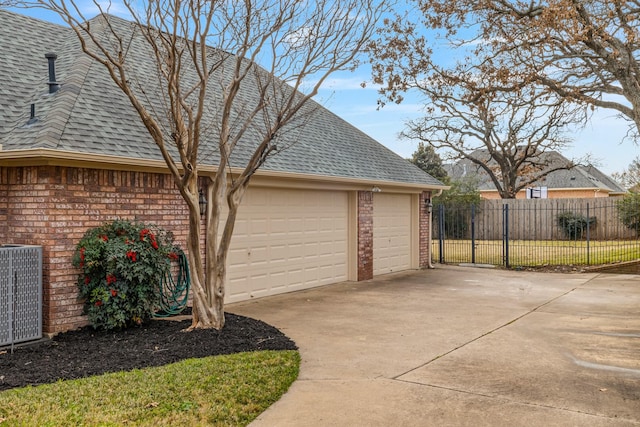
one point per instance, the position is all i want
(174, 291)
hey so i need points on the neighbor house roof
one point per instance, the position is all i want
(576, 177)
(89, 114)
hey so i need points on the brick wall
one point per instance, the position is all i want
(425, 250)
(53, 207)
(3, 204)
(365, 235)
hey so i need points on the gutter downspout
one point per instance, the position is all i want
(429, 263)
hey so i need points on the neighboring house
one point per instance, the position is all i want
(576, 182)
(73, 159)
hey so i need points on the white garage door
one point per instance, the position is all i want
(391, 233)
(286, 240)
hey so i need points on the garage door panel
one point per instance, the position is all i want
(241, 227)
(279, 227)
(296, 225)
(279, 253)
(326, 249)
(295, 277)
(259, 227)
(391, 233)
(288, 240)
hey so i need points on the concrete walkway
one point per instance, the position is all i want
(461, 346)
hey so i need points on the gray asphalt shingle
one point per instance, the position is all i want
(90, 114)
(577, 177)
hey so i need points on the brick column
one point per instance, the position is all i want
(425, 231)
(365, 235)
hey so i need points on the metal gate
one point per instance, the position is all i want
(20, 293)
(459, 239)
(517, 233)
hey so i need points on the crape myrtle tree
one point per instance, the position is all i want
(210, 50)
(584, 51)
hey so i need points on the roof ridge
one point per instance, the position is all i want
(603, 179)
(31, 18)
(89, 114)
(363, 133)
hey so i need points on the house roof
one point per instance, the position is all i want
(577, 177)
(89, 114)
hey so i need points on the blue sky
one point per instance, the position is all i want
(602, 138)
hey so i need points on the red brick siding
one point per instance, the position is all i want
(425, 250)
(365, 235)
(54, 206)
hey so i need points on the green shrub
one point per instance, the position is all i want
(629, 210)
(457, 203)
(574, 225)
(123, 265)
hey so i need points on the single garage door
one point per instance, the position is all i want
(391, 232)
(286, 240)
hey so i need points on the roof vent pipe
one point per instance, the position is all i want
(32, 116)
(53, 85)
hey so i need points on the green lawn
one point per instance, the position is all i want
(227, 390)
(536, 253)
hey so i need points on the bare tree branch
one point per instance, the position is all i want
(504, 134)
(232, 72)
(552, 55)
(630, 177)
(583, 51)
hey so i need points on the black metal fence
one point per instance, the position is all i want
(534, 232)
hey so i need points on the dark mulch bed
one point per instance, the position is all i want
(86, 352)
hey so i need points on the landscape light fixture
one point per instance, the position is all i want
(202, 202)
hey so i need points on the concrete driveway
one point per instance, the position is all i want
(461, 346)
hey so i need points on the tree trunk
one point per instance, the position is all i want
(208, 307)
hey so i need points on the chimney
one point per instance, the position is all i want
(53, 85)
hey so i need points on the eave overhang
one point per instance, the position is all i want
(263, 177)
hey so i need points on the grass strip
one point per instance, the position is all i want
(230, 390)
(536, 253)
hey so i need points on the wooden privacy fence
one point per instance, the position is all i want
(538, 219)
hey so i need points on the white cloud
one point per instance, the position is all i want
(345, 83)
(92, 8)
(299, 38)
